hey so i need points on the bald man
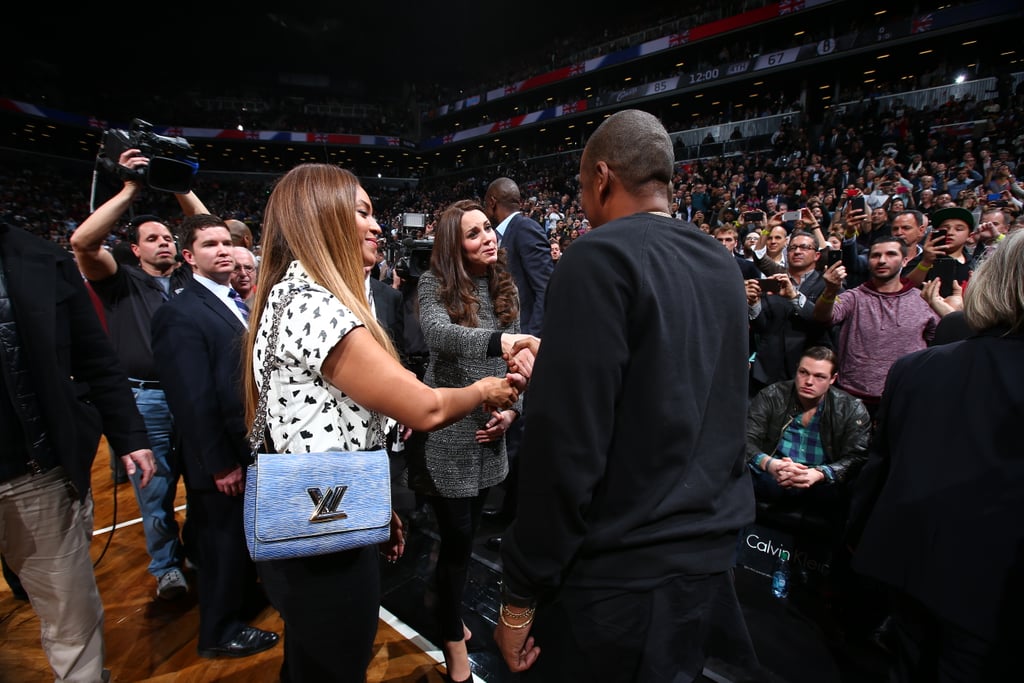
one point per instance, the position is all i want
(241, 235)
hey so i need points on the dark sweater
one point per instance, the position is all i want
(632, 464)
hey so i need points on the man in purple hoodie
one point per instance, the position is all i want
(882, 319)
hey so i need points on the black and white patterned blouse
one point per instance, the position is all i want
(305, 413)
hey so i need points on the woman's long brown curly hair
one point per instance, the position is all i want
(455, 285)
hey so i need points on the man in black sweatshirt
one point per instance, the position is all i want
(632, 483)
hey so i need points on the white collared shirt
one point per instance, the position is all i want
(222, 293)
(500, 227)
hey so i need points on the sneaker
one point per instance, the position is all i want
(172, 585)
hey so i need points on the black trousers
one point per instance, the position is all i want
(229, 592)
(330, 606)
(662, 635)
(929, 649)
(457, 522)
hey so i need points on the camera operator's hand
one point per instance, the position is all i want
(133, 161)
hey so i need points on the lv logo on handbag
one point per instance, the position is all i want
(327, 505)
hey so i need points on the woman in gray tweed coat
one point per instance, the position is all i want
(469, 312)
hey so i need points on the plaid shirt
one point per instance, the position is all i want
(803, 444)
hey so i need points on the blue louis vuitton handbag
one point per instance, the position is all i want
(303, 504)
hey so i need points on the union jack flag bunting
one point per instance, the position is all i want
(252, 135)
(320, 137)
(577, 69)
(448, 138)
(787, 6)
(97, 123)
(511, 89)
(569, 108)
(923, 23)
(677, 39)
(505, 124)
(175, 132)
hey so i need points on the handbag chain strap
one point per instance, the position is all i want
(259, 423)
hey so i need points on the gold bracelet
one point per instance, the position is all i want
(515, 626)
(527, 612)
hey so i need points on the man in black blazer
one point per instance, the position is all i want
(197, 348)
(529, 258)
(61, 388)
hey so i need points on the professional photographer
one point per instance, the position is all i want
(130, 296)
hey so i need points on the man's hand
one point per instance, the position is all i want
(753, 290)
(516, 646)
(786, 288)
(230, 482)
(143, 458)
(795, 475)
(933, 248)
(521, 361)
(834, 276)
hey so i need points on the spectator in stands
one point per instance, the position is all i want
(774, 246)
(727, 236)
(992, 229)
(551, 220)
(586, 556)
(469, 315)
(910, 226)
(63, 389)
(783, 323)
(926, 490)
(965, 178)
(556, 250)
(807, 439)
(130, 297)
(956, 224)
(243, 278)
(882, 319)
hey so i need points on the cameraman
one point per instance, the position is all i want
(130, 295)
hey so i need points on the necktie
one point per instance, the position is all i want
(242, 306)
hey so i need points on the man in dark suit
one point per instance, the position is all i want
(196, 346)
(529, 258)
(61, 387)
(943, 505)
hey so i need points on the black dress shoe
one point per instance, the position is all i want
(249, 641)
(494, 543)
(496, 516)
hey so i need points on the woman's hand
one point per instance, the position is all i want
(394, 547)
(496, 427)
(498, 393)
(942, 306)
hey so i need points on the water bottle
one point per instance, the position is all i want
(780, 575)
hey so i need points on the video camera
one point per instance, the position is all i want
(415, 259)
(172, 164)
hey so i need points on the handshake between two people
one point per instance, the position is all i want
(519, 351)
